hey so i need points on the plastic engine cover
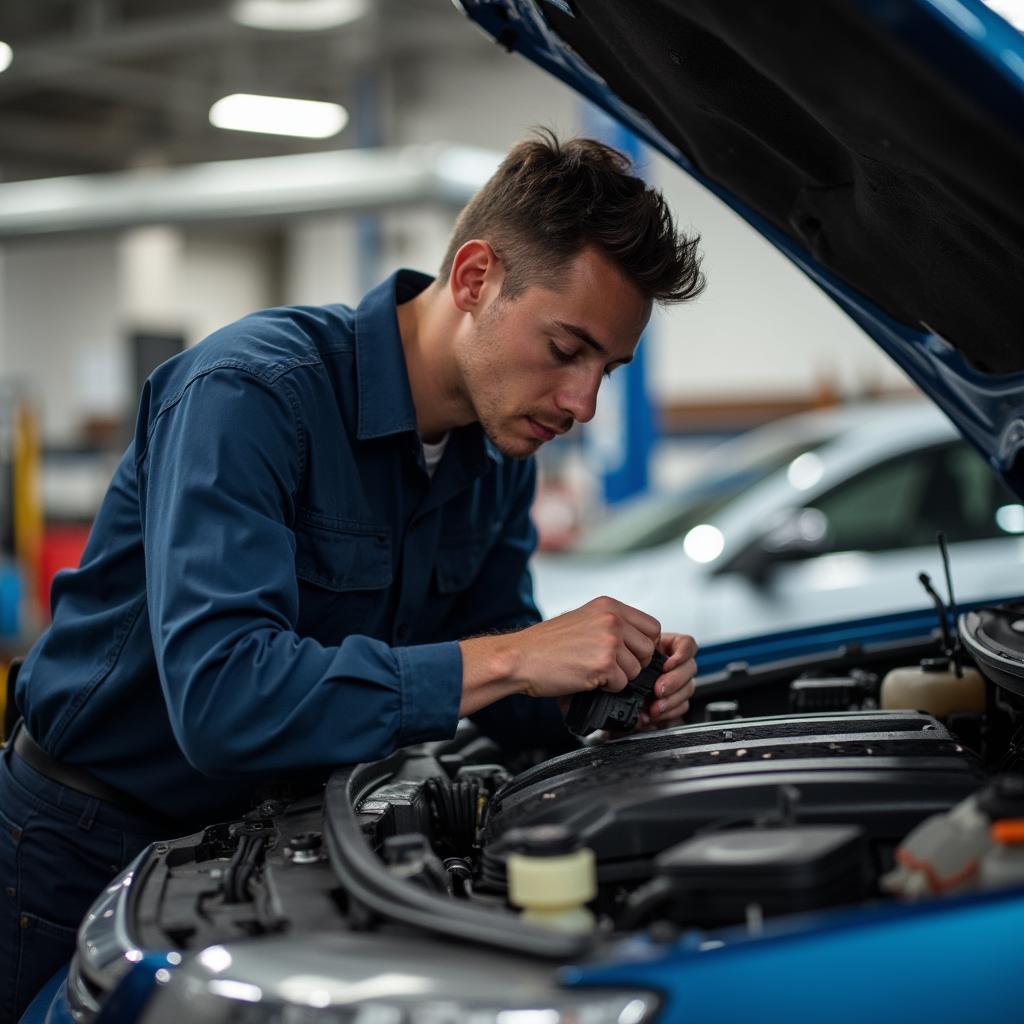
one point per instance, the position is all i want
(783, 870)
(629, 800)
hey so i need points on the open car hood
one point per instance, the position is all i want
(878, 143)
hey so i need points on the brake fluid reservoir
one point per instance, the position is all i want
(933, 686)
(552, 878)
(1004, 862)
(941, 854)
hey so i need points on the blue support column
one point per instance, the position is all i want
(619, 440)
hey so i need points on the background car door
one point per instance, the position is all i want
(882, 526)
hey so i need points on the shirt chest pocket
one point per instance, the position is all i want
(459, 561)
(344, 569)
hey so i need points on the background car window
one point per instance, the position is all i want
(661, 518)
(981, 495)
(907, 500)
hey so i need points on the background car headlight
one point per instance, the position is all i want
(326, 980)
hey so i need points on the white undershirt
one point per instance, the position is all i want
(432, 454)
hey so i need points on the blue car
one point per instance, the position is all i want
(838, 833)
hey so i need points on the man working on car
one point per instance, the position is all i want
(315, 549)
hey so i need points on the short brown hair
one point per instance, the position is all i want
(549, 200)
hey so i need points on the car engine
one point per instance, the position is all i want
(797, 787)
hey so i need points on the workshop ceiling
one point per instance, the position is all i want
(99, 85)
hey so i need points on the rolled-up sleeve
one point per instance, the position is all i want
(246, 694)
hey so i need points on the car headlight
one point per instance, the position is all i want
(106, 949)
(366, 979)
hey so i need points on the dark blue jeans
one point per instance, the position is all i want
(58, 848)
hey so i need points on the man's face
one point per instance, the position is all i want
(532, 365)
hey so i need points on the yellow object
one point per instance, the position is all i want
(933, 688)
(552, 891)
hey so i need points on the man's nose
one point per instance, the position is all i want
(580, 400)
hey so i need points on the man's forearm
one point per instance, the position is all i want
(490, 671)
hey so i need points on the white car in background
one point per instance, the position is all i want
(821, 516)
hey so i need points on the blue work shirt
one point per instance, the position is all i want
(273, 583)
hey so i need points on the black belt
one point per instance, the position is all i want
(78, 779)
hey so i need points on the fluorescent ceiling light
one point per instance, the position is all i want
(277, 115)
(6, 56)
(297, 15)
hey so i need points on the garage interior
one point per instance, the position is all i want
(119, 197)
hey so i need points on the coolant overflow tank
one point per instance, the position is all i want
(551, 878)
(934, 687)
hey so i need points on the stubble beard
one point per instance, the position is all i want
(483, 390)
(496, 427)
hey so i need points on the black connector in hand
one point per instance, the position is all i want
(598, 709)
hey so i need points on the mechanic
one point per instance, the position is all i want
(315, 549)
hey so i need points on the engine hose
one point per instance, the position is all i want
(456, 808)
(240, 870)
(643, 903)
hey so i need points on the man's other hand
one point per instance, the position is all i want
(675, 686)
(672, 689)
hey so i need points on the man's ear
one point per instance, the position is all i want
(476, 276)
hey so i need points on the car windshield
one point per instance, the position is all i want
(731, 469)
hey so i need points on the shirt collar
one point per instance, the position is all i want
(385, 398)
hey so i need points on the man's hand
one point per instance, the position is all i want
(602, 645)
(674, 688)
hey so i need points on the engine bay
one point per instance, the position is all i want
(824, 796)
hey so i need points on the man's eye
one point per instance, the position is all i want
(560, 354)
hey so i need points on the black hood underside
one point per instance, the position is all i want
(853, 145)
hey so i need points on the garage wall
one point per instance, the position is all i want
(761, 328)
(491, 101)
(226, 274)
(60, 324)
(320, 263)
